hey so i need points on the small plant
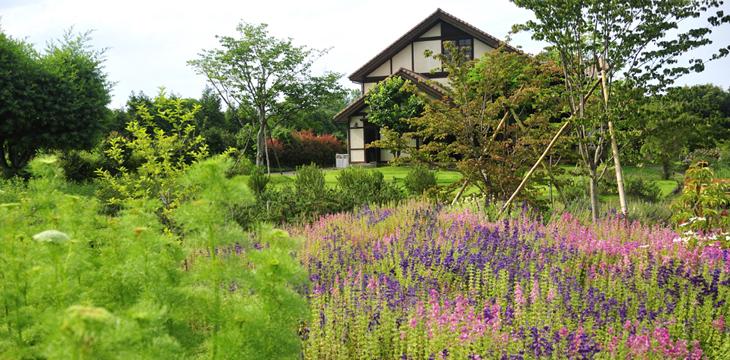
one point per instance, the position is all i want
(80, 166)
(359, 186)
(703, 206)
(419, 180)
(643, 189)
(164, 155)
(258, 181)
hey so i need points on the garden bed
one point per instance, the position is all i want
(419, 282)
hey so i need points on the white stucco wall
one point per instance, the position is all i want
(421, 63)
(382, 70)
(386, 155)
(357, 139)
(355, 121)
(357, 156)
(481, 48)
(369, 86)
(402, 59)
(434, 31)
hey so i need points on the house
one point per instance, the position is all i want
(406, 58)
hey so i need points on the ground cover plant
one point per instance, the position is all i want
(77, 284)
(423, 282)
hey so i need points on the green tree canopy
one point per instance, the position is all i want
(392, 102)
(268, 76)
(498, 116)
(51, 100)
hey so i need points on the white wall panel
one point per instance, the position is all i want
(421, 63)
(402, 59)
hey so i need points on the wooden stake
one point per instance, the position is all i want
(544, 153)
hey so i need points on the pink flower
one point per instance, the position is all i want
(661, 335)
(638, 344)
(696, 353)
(535, 293)
(563, 332)
(551, 295)
(519, 298)
(719, 323)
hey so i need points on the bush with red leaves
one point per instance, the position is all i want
(305, 147)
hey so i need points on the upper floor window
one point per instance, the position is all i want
(465, 46)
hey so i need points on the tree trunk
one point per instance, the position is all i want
(261, 139)
(593, 193)
(666, 169)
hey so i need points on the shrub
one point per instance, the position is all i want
(305, 147)
(643, 189)
(419, 179)
(359, 186)
(241, 166)
(164, 154)
(80, 166)
(79, 285)
(306, 201)
(258, 181)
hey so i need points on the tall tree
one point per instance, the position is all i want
(260, 72)
(497, 112)
(54, 101)
(390, 105)
(601, 41)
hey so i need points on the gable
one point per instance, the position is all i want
(428, 34)
(426, 86)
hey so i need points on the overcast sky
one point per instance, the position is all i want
(150, 41)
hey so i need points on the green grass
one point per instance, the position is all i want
(390, 173)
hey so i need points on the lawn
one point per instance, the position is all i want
(390, 173)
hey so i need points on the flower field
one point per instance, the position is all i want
(421, 282)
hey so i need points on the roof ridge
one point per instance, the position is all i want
(422, 26)
(436, 91)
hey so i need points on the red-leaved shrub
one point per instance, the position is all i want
(305, 147)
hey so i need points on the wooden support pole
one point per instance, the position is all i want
(544, 153)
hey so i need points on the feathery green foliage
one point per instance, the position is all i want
(75, 284)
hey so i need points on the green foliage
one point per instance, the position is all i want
(392, 140)
(359, 187)
(258, 180)
(392, 102)
(495, 122)
(80, 165)
(241, 166)
(643, 189)
(269, 78)
(419, 180)
(163, 154)
(51, 101)
(76, 284)
(704, 201)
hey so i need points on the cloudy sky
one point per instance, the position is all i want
(150, 41)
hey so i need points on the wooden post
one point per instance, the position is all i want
(544, 153)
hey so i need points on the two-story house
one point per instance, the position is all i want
(406, 58)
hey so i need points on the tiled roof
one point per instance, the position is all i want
(418, 30)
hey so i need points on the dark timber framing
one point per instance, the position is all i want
(450, 29)
(415, 35)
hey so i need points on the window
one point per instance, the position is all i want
(465, 46)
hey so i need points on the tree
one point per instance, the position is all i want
(53, 101)
(498, 111)
(259, 72)
(393, 101)
(600, 41)
(390, 105)
(163, 153)
(680, 121)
